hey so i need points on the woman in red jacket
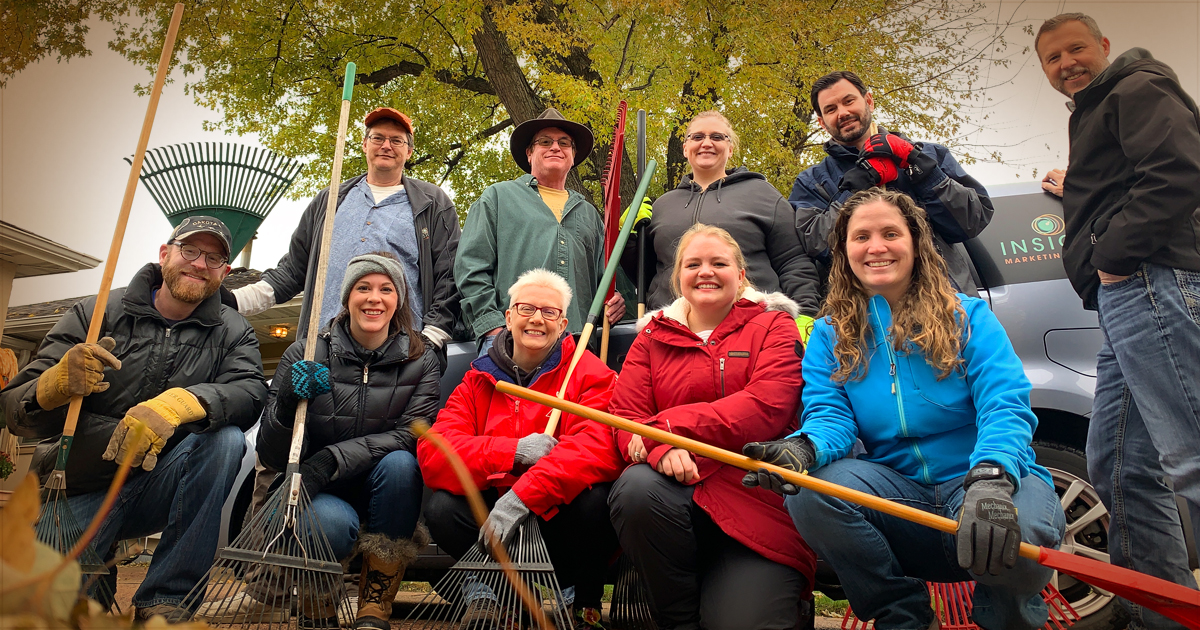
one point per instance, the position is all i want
(720, 365)
(563, 479)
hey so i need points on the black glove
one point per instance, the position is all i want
(317, 471)
(860, 177)
(920, 165)
(989, 535)
(795, 454)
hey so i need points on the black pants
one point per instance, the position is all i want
(696, 574)
(580, 538)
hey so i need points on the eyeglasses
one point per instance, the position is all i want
(699, 137)
(549, 313)
(378, 140)
(545, 142)
(191, 252)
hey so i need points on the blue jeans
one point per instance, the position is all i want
(883, 562)
(1146, 422)
(387, 501)
(182, 498)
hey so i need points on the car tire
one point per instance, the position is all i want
(1068, 467)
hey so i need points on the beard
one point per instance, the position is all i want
(185, 291)
(864, 125)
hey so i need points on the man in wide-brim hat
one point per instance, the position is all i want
(533, 222)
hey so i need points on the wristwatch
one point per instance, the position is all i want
(983, 471)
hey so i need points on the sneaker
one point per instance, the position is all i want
(587, 619)
(171, 612)
(241, 608)
(482, 614)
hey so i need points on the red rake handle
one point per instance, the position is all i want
(1167, 598)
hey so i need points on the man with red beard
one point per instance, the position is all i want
(173, 358)
(862, 154)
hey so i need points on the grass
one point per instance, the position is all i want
(826, 607)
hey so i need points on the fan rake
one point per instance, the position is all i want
(58, 528)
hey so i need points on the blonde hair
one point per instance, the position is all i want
(701, 229)
(540, 278)
(734, 142)
(928, 315)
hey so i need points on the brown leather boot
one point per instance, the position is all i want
(384, 561)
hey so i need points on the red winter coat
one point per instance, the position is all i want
(483, 425)
(742, 386)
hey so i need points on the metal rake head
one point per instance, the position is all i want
(477, 594)
(280, 572)
(58, 528)
(630, 608)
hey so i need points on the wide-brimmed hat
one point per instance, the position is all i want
(523, 135)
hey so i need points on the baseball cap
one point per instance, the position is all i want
(197, 224)
(381, 113)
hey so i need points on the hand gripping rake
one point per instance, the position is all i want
(1166, 598)
(284, 549)
(57, 526)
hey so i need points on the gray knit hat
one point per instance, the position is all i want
(373, 263)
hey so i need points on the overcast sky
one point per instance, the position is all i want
(65, 129)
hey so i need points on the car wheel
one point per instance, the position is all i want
(1087, 535)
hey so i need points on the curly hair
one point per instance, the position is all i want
(928, 316)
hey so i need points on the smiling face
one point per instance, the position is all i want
(879, 248)
(845, 112)
(387, 160)
(534, 336)
(1072, 57)
(709, 277)
(191, 281)
(371, 304)
(708, 155)
(549, 164)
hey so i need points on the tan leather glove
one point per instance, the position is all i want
(78, 373)
(161, 415)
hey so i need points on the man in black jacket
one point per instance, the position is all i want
(1132, 251)
(175, 359)
(383, 210)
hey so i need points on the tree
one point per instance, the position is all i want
(467, 70)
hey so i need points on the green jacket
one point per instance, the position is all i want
(510, 231)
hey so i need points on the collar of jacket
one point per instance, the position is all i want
(880, 315)
(499, 364)
(417, 197)
(1127, 63)
(674, 316)
(343, 346)
(137, 300)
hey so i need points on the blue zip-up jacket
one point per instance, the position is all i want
(958, 205)
(928, 430)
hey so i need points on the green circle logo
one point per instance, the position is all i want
(1048, 225)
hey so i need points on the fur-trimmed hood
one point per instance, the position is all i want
(678, 309)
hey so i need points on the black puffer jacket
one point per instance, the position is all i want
(759, 219)
(1131, 196)
(376, 395)
(213, 354)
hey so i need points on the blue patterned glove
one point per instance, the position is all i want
(309, 379)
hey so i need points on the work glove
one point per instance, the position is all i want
(861, 177)
(504, 519)
(533, 447)
(161, 415)
(317, 471)
(804, 324)
(889, 146)
(78, 373)
(989, 535)
(645, 213)
(793, 453)
(300, 380)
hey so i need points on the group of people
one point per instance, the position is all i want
(851, 301)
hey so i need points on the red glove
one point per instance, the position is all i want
(891, 146)
(883, 168)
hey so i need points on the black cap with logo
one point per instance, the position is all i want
(209, 225)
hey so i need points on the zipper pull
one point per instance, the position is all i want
(168, 334)
(365, 368)
(893, 389)
(893, 371)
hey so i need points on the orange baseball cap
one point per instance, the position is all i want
(381, 113)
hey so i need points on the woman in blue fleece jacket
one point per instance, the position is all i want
(929, 381)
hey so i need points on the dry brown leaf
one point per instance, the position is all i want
(16, 526)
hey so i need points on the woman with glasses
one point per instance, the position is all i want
(560, 480)
(371, 376)
(721, 365)
(741, 202)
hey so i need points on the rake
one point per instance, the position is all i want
(57, 525)
(630, 608)
(284, 548)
